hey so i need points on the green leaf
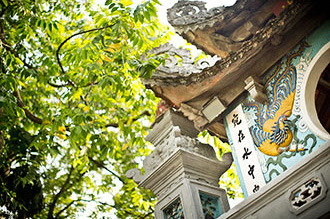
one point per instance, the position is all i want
(145, 206)
(50, 28)
(19, 61)
(146, 15)
(111, 5)
(114, 9)
(157, 2)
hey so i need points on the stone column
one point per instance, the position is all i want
(182, 172)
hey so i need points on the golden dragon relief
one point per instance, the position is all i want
(271, 132)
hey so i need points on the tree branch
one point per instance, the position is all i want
(81, 200)
(66, 40)
(67, 85)
(57, 85)
(102, 203)
(66, 207)
(149, 213)
(90, 89)
(8, 47)
(28, 113)
(2, 138)
(100, 164)
(116, 125)
(84, 100)
(139, 215)
(3, 10)
(70, 37)
(57, 196)
(2, 133)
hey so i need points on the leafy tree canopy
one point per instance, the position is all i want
(73, 112)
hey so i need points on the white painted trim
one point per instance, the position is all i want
(313, 73)
(279, 188)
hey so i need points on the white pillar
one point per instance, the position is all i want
(182, 172)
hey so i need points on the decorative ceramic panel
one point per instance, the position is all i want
(303, 196)
(174, 210)
(306, 193)
(271, 132)
(279, 131)
(211, 206)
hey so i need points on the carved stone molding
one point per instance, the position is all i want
(134, 174)
(193, 115)
(165, 123)
(172, 131)
(251, 217)
(178, 158)
(190, 15)
(178, 64)
(276, 198)
(255, 89)
(307, 194)
(171, 186)
(170, 144)
(183, 165)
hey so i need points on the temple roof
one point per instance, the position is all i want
(221, 30)
(243, 41)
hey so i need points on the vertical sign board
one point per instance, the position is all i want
(245, 150)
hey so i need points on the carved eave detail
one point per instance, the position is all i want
(178, 65)
(200, 122)
(256, 90)
(270, 33)
(187, 16)
(221, 30)
(188, 92)
(193, 115)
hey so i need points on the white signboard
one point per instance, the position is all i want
(245, 152)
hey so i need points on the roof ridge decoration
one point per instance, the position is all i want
(191, 15)
(270, 32)
(178, 63)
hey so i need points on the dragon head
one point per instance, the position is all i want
(282, 122)
(280, 130)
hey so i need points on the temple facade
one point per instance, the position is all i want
(264, 89)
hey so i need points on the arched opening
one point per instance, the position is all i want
(315, 95)
(322, 98)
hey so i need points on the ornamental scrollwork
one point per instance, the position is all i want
(188, 12)
(307, 194)
(179, 62)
